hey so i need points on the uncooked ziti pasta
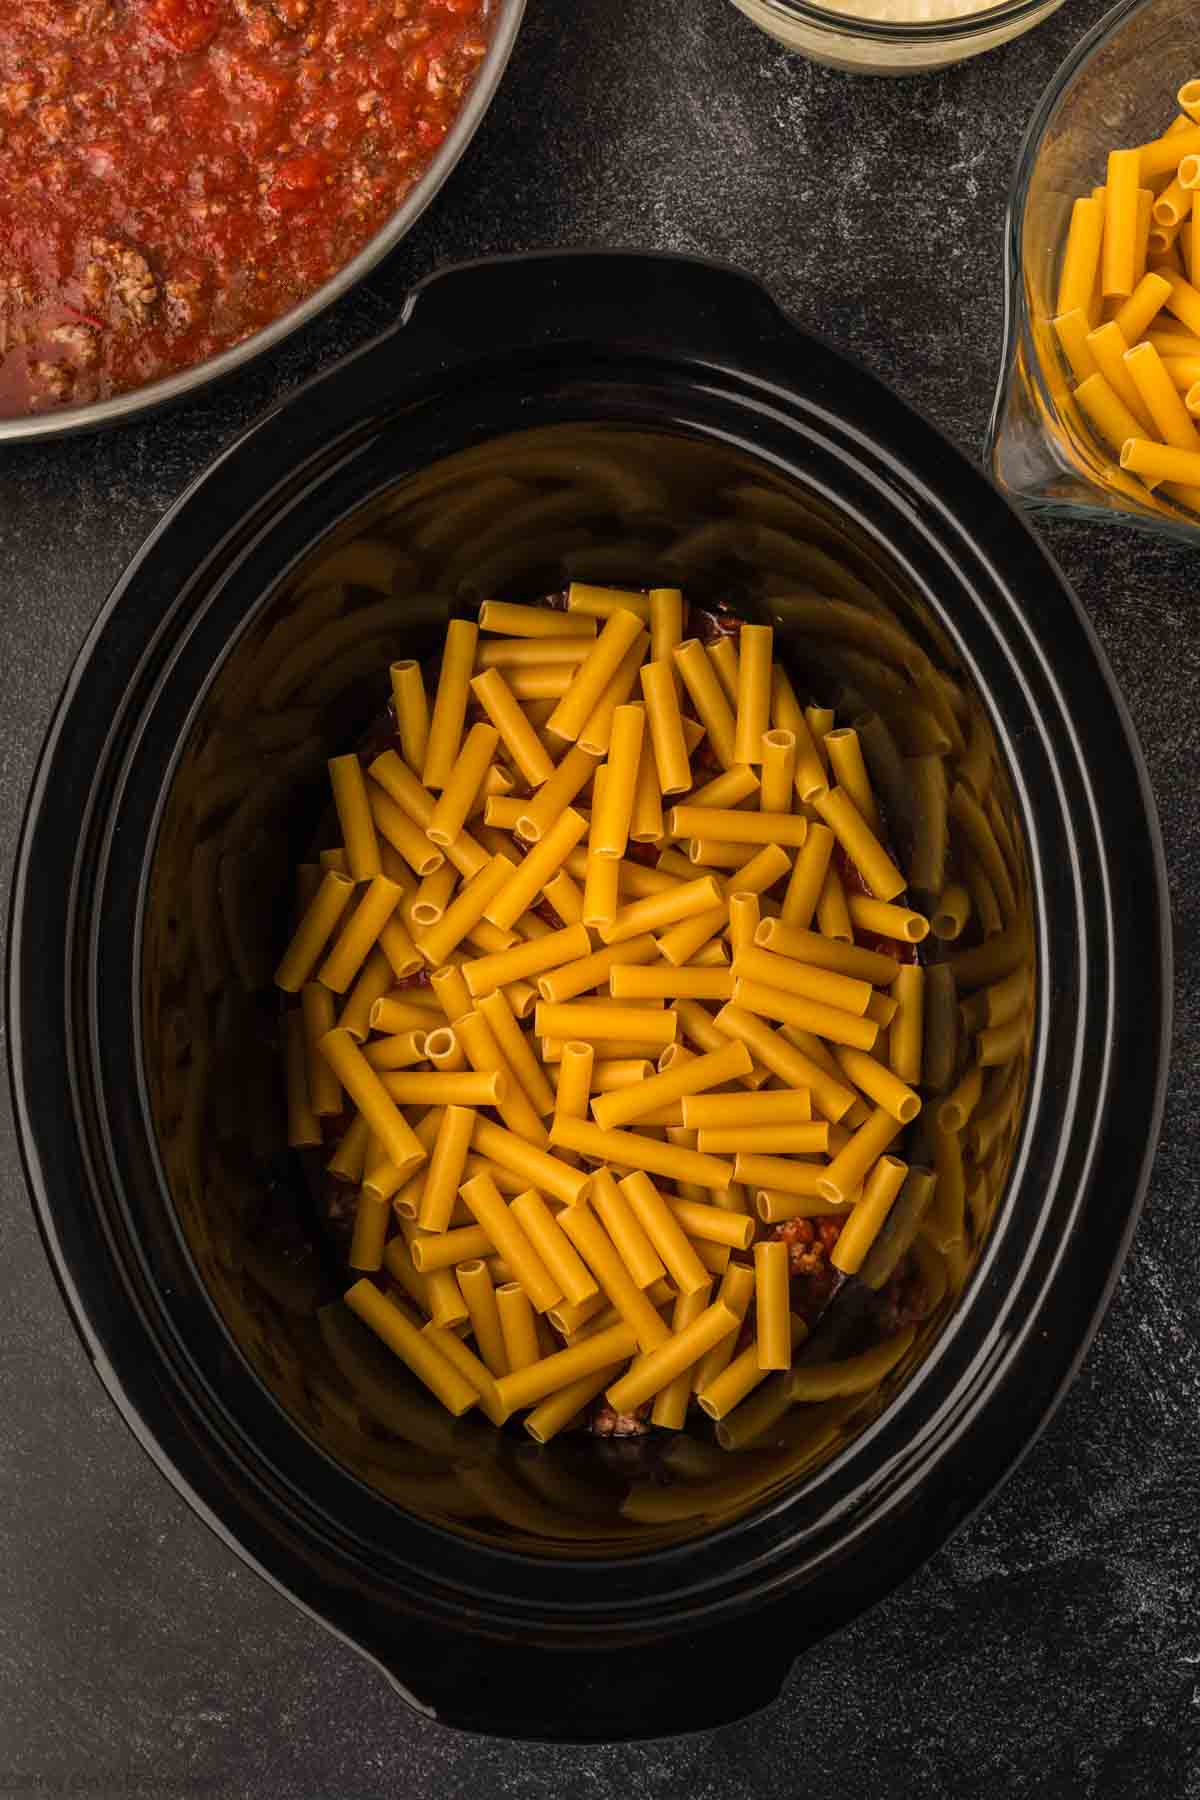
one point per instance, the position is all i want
(616, 1000)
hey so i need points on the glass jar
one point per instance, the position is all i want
(844, 38)
(1117, 88)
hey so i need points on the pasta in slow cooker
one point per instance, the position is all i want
(614, 1001)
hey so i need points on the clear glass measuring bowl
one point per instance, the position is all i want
(895, 41)
(1116, 89)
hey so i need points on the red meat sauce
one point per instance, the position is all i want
(176, 174)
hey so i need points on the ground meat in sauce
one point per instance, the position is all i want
(604, 1421)
(175, 174)
(814, 1277)
(904, 1300)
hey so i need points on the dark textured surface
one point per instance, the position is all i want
(1054, 1648)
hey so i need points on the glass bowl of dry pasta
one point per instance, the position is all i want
(1098, 405)
(606, 1135)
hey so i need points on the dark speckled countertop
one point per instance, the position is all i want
(1054, 1647)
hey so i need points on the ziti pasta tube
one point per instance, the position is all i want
(554, 1247)
(682, 1350)
(525, 1387)
(412, 711)
(313, 932)
(463, 782)
(525, 962)
(520, 740)
(665, 725)
(359, 934)
(354, 816)
(369, 1094)
(535, 870)
(620, 1221)
(567, 720)
(450, 703)
(671, 1401)
(518, 1327)
(412, 1347)
(613, 806)
(632, 1150)
(693, 1076)
(446, 1169)
(773, 1339)
(603, 1258)
(664, 1231)
(485, 1202)
(753, 715)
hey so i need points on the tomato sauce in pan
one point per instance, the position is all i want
(176, 174)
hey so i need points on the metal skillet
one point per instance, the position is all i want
(171, 388)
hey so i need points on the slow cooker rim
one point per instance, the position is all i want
(1079, 1354)
(139, 564)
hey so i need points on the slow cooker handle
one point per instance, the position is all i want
(664, 1688)
(543, 298)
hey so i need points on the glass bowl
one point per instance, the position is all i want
(1117, 88)
(506, 17)
(841, 37)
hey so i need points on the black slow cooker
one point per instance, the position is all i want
(614, 418)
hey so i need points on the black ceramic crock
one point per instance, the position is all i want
(701, 372)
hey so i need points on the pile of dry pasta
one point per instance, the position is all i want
(585, 982)
(1133, 254)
